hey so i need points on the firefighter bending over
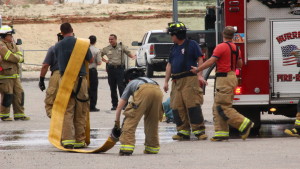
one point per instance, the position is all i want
(186, 94)
(10, 84)
(147, 101)
(228, 58)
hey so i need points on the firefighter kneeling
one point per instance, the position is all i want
(147, 101)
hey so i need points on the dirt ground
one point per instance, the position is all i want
(40, 36)
(37, 24)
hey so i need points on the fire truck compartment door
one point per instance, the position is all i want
(285, 66)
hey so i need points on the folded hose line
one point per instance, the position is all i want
(62, 98)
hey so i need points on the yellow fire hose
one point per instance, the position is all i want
(62, 98)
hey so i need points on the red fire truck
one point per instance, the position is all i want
(268, 31)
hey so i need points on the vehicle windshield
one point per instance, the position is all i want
(160, 38)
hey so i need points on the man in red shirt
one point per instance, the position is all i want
(228, 58)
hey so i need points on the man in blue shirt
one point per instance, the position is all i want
(73, 134)
(186, 95)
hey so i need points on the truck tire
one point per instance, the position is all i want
(149, 70)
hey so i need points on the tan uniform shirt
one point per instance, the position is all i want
(114, 54)
(96, 55)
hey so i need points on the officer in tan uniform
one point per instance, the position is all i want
(228, 58)
(147, 101)
(115, 66)
(50, 61)
(9, 77)
(186, 95)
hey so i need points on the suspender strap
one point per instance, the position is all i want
(236, 53)
(146, 80)
(77, 91)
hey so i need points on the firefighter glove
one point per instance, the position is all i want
(116, 131)
(42, 83)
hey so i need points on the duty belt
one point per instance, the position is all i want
(115, 66)
(221, 74)
(224, 74)
(182, 75)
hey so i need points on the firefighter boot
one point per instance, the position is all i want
(6, 119)
(148, 152)
(125, 153)
(292, 132)
(245, 133)
(25, 118)
(201, 136)
(181, 137)
(219, 139)
(80, 145)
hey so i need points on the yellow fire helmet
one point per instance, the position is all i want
(5, 29)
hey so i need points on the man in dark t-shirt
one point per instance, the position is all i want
(73, 134)
(146, 100)
(50, 61)
(186, 94)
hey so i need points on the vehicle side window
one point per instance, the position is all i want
(144, 39)
(159, 38)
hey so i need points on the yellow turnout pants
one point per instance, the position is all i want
(12, 94)
(186, 101)
(147, 101)
(51, 91)
(223, 112)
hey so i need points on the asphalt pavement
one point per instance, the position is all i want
(24, 144)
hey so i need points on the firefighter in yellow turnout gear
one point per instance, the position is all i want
(147, 101)
(50, 61)
(10, 84)
(186, 94)
(227, 58)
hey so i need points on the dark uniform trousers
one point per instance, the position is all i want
(51, 91)
(93, 90)
(186, 101)
(76, 115)
(147, 101)
(223, 112)
(115, 79)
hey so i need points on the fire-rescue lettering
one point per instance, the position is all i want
(288, 77)
(288, 36)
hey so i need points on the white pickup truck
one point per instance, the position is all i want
(154, 51)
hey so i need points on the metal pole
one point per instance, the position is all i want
(217, 23)
(175, 10)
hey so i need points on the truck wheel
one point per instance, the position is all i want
(149, 70)
(254, 115)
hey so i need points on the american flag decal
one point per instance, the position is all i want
(287, 58)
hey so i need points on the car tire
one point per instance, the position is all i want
(149, 70)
